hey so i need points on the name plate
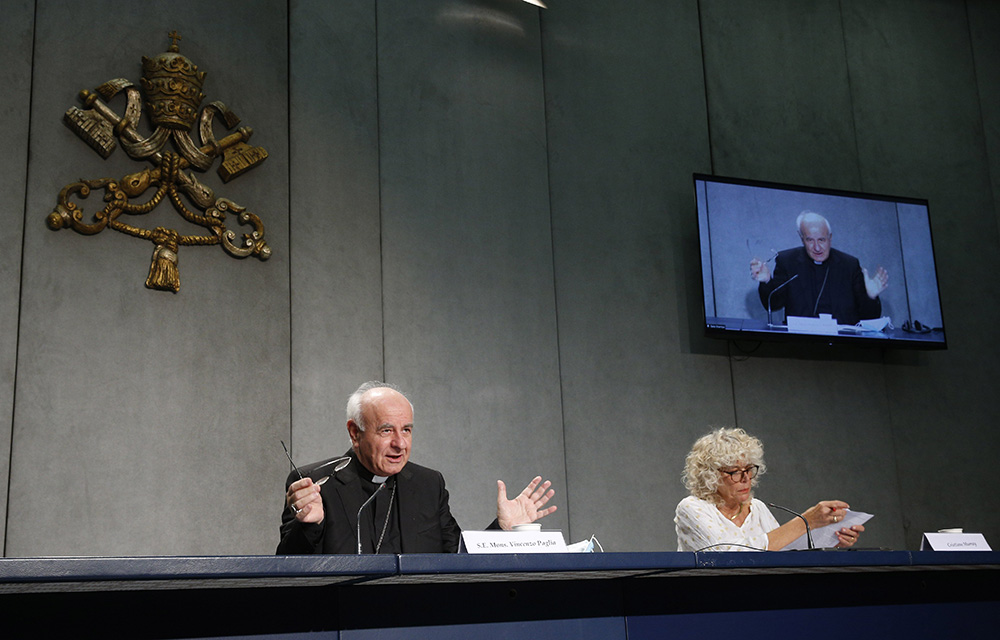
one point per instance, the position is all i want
(824, 324)
(514, 541)
(954, 542)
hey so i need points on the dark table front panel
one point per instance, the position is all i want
(868, 594)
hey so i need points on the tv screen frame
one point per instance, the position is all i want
(740, 219)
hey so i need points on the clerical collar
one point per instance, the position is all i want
(365, 474)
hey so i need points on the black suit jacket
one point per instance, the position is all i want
(844, 292)
(425, 521)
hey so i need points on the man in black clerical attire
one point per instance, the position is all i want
(828, 281)
(390, 504)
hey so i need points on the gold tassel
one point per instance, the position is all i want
(163, 274)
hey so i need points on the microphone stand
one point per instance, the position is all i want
(770, 325)
(366, 503)
(809, 537)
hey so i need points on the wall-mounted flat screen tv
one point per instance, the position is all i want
(785, 262)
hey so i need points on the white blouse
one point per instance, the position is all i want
(700, 524)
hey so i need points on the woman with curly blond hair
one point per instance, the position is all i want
(721, 513)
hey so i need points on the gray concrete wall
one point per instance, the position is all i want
(16, 35)
(920, 120)
(491, 206)
(147, 422)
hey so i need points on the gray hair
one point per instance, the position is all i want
(811, 217)
(354, 404)
(720, 448)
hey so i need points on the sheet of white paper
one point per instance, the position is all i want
(826, 537)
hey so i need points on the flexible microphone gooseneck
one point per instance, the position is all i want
(366, 503)
(773, 291)
(809, 537)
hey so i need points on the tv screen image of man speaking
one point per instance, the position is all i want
(816, 278)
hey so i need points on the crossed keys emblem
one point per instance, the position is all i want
(172, 87)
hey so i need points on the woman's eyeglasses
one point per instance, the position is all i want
(738, 475)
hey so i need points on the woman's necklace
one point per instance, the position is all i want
(739, 510)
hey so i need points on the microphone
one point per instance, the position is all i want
(769, 323)
(367, 502)
(809, 537)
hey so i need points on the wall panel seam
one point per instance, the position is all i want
(20, 274)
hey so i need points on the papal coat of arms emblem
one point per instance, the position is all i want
(170, 93)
